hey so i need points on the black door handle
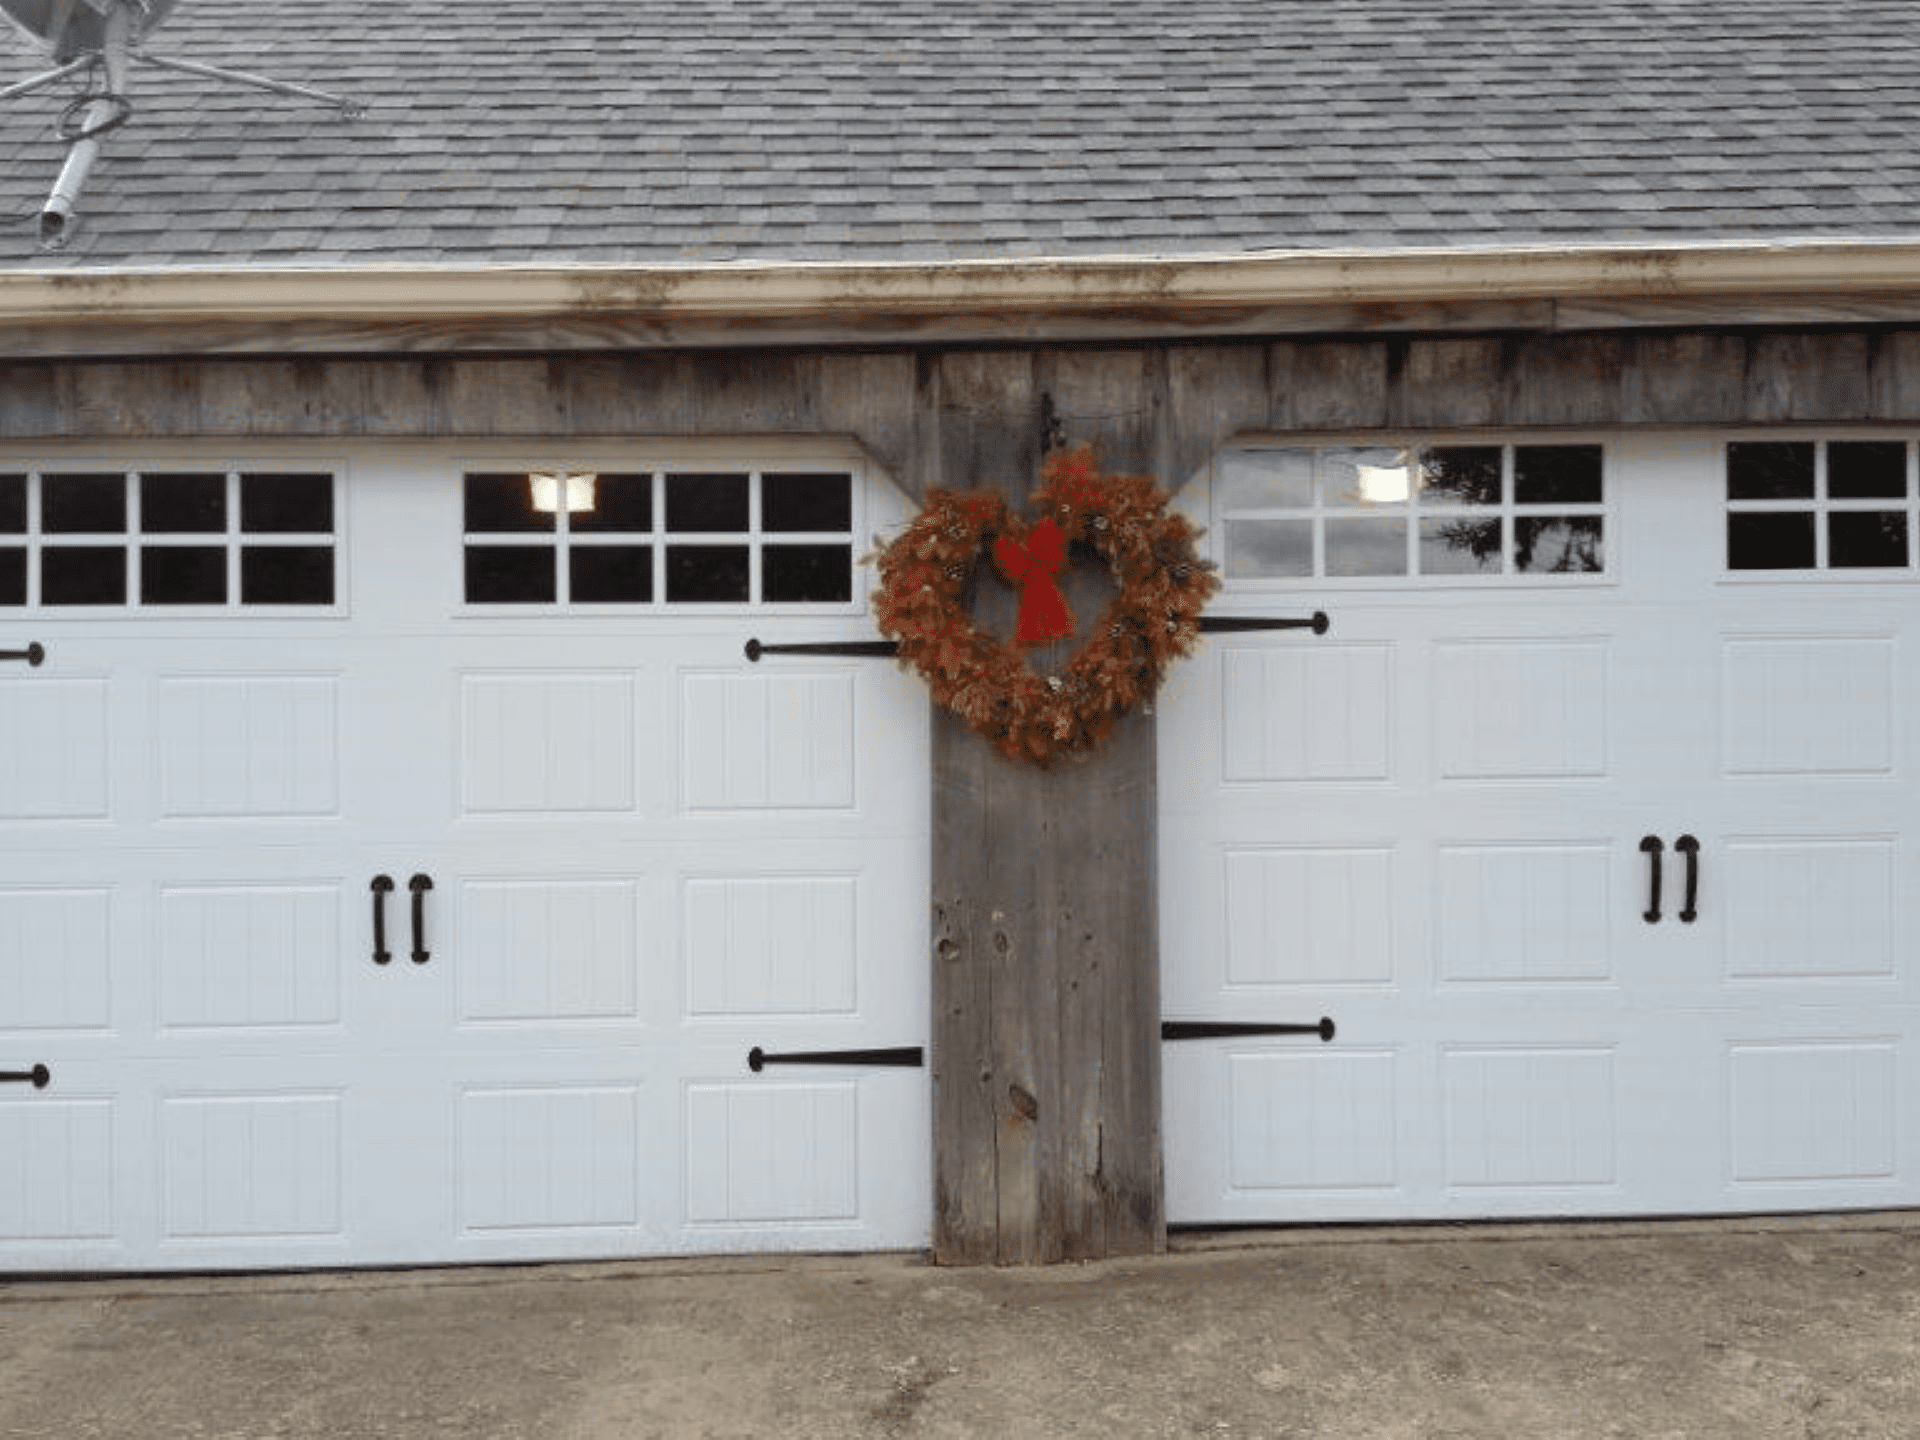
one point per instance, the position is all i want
(38, 1077)
(1690, 847)
(1651, 847)
(419, 885)
(381, 885)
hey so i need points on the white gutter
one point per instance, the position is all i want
(675, 303)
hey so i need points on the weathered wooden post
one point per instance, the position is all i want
(1046, 1043)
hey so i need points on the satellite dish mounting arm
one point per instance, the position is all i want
(51, 77)
(352, 109)
(100, 115)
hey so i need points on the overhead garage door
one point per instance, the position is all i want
(397, 872)
(1559, 672)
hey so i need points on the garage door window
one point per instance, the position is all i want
(735, 538)
(165, 540)
(1820, 505)
(1440, 512)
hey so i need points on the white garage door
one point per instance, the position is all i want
(1554, 671)
(397, 872)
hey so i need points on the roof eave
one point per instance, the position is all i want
(215, 309)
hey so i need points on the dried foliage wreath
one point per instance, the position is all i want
(927, 579)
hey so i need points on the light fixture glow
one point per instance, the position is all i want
(1385, 484)
(549, 485)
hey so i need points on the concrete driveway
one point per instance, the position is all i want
(1756, 1328)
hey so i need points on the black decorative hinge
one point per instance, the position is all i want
(884, 649)
(33, 654)
(904, 1056)
(39, 1077)
(880, 648)
(1227, 624)
(1229, 1029)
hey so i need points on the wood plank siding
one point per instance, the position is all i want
(1179, 401)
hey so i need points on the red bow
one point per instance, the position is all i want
(1032, 564)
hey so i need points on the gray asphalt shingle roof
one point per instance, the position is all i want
(627, 131)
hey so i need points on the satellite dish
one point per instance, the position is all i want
(70, 28)
(99, 40)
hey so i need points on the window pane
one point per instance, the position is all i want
(1557, 475)
(286, 575)
(821, 573)
(1367, 547)
(1460, 547)
(13, 504)
(603, 574)
(1770, 541)
(183, 505)
(497, 503)
(1769, 470)
(286, 504)
(83, 575)
(1269, 549)
(1558, 545)
(1460, 475)
(1865, 539)
(83, 505)
(183, 575)
(510, 574)
(13, 575)
(706, 573)
(806, 502)
(1374, 476)
(706, 502)
(621, 503)
(1867, 470)
(1261, 479)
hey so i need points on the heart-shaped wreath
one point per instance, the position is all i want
(926, 581)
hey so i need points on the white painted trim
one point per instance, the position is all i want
(1143, 286)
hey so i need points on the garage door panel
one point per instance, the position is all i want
(56, 965)
(1809, 909)
(256, 746)
(58, 1187)
(783, 1151)
(551, 949)
(53, 748)
(1541, 1117)
(768, 742)
(1531, 708)
(252, 1166)
(783, 944)
(1826, 1112)
(1808, 705)
(1320, 714)
(237, 957)
(1309, 915)
(554, 1157)
(1524, 913)
(548, 743)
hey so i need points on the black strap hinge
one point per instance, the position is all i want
(878, 648)
(904, 1056)
(1229, 1029)
(39, 1077)
(1227, 624)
